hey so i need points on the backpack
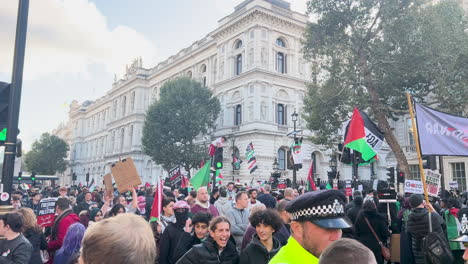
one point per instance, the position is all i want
(435, 247)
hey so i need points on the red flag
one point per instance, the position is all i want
(184, 183)
(310, 178)
(157, 203)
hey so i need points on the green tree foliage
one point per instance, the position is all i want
(184, 112)
(47, 155)
(368, 53)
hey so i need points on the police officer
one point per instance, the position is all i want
(463, 218)
(316, 221)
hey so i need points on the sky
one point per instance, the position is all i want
(74, 47)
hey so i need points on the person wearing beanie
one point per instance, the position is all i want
(176, 238)
(418, 225)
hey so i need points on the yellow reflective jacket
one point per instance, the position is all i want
(293, 253)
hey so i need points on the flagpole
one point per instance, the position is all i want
(418, 149)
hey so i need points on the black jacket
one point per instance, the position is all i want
(38, 242)
(15, 251)
(174, 243)
(418, 227)
(83, 206)
(364, 234)
(256, 253)
(207, 253)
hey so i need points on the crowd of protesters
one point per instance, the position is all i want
(232, 224)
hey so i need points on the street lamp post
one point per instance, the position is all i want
(294, 119)
(275, 174)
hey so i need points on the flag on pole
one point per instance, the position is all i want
(252, 161)
(363, 135)
(441, 133)
(92, 186)
(219, 176)
(297, 152)
(310, 179)
(157, 202)
(184, 183)
(202, 177)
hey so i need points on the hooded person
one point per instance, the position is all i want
(463, 234)
(176, 238)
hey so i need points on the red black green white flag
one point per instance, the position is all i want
(252, 161)
(364, 136)
(157, 202)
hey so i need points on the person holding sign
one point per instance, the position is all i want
(63, 220)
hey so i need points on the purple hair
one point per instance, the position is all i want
(71, 243)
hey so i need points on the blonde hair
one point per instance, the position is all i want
(125, 238)
(29, 219)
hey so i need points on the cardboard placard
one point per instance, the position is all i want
(108, 182)
(432, 182)
(125, 174)
(46, 215)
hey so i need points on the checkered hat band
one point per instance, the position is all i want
(331, 210)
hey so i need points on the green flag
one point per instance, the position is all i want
(202, 177)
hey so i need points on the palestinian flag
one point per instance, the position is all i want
(219, 176)
(202, 177)
(310, 179)
(252, 161)
(157, 202)
(364, 136)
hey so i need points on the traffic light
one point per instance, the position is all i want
(33, 178)
(429, 162)
(4, 103)
(345, 156)
(20, 176)
(391, 174)
(218, 158)
(401, 177)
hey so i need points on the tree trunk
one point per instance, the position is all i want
(382, 120)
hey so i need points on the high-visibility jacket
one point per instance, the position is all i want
(293, 253)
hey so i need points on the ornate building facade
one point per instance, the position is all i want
(253, 64)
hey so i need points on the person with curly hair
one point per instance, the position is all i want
(263, 246)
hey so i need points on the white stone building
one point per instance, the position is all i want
(64, 132)
(253, 64)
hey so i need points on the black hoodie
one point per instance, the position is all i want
(256, 252)
(208, 253)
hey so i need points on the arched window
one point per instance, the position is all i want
(238, 44)
(238, 64)
(122, 138)
(132, 102)
(281, 62)
(280, 42)
(238, 115)
(189, 74)
(130, 135)
(114, 109)
(124, 105)
(281, 159)
(281, 114)
(203, 68)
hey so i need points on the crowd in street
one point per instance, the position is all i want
(230, 224)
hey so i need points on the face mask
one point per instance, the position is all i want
(181, 217)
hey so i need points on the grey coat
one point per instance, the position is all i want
(223, 205)
(239, 219)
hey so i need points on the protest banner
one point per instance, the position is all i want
(125, 174)
(453, 184)
(46, 215)
(348, 188)
(432, 182)
(175, 177)
(412, 186)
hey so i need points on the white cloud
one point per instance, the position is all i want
(67, 36)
